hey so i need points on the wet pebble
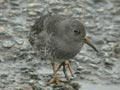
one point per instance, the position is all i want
(94, 66)
(4, 75)
(1, 59)
(116, 49)
(108, 62)
(18, 40)
(34, 76)
(2, 1)
(80, 68)
(23, 87)
(110, 39)
(106, 48)
(8, 43)
(32, 13)
(117, 19)
(67, 87)
(34, 5)
(75, 85)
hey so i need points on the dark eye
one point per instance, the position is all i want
(76, 31)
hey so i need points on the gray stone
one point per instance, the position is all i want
(4, 75)
(67, 87)
(75, 85)
(93, 66)
(34, 5)
(116, 49)
(19, 40)
(1, 59)
(32, 13)
(117, 19)
(23, 87)
(34, 76)
(80, 68)
(106, 48)
(8, 43)
(2, 1)
(108, 62)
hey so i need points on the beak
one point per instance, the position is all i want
(90, 44)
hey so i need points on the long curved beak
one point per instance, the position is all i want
(90, 44)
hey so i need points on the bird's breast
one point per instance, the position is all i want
(67, 51)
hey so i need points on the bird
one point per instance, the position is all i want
(58, 38)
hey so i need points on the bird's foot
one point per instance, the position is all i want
(57, 81)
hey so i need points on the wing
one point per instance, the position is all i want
(36, 29)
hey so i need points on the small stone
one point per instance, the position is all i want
(110, 39)
(32, 13)
(2, 29)
(108, 62)
(117, 19)
(1, 59)
(80, 68)
(66, 87)
(33, 5)
(75, 85)
(86, 71)
(97, 1)
(77, 72)
(4, 75)
(34, 76)
(2, 1)
(106, 48)
(101, 53)
(8, 43)
(93, 66)
(23, 87)
(19, 40)
(116, 49)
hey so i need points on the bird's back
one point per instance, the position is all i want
(41, 34)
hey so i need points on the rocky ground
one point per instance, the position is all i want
(21, 70)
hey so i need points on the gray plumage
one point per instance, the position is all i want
(57, 37)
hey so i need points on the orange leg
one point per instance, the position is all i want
(69, 67)
(55, 78)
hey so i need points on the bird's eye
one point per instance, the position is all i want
(76, 31)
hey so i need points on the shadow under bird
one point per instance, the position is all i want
(58, 38)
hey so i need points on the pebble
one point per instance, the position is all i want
(106, 48)
(117, 19)
(34, 76)
(23, 87)
(4, 75)
(101, 10)
(18, 40)
(75, 85)
(2, 29)
(93, 66)
(2, 1)
(67, 87)
(80, 68)
(33, 5)
(32, 13)
(108, 62)
(1, 59)
(8, 44)
(116, 49)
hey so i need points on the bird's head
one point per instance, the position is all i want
(71, 30)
